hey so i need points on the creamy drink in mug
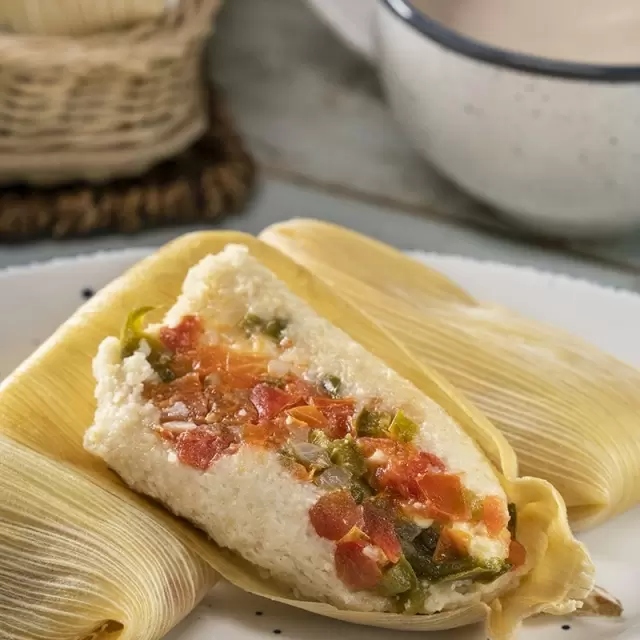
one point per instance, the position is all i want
(533, 107)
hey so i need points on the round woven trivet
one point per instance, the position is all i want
(213, 177)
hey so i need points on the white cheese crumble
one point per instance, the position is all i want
(378, 457)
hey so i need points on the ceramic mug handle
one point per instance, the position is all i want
(353, 20)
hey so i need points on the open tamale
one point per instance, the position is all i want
(80, 552)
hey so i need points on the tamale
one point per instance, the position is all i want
(85, 518)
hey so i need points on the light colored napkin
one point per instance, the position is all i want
(77, 17)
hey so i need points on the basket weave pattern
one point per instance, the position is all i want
(213, 177)
(103, 106)
(76, 17)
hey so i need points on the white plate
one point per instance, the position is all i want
(39, 297)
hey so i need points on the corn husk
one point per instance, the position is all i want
(104, 553)
(569, 411)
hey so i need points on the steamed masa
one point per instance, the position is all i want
(288, 443)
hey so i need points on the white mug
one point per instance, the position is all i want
(554, 144)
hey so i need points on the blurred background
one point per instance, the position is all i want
(128, 129)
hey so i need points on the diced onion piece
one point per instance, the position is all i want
(176, 410)
(278, 368)
(424, 523)
(300, 432)
(236, 430)
(418, 513)
(378, 457)
(212, 338)
(310, 415)
(263, 345)
(178, 425)
(376, 554)
(355, 533)
(310, 455)
(334, 478)
(145, 348)
(212, 380)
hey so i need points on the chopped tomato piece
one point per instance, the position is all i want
(166, 434)
(298, 471)
(402, 467)
(390, 448)
(379, 526)
(397, 476)
(230, 406)
(309, 415)
(357, 570)
(243, 370)
(268, 434)
(270, 401)
(423, 462)
(207, 359)
(322, 401)
(334, 515)
(416, 510)
(494, 515)
(301, 388)
(404, 471)
(200, 447)
(444, 494)
(187, 390)
(183, 336)
(338, 414)
(452, 544)
(420, 461)
(239, 370)
(182, 364)
(517, 554)
(395, 479)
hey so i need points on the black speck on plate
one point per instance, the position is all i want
(277, 631)
(566, 627)
(87, 293)
(258, 613)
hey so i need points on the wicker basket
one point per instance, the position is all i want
(76, 17)
(105, 106)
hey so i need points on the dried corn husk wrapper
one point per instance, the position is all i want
(78, 549)
(75, 17)
(571, 412)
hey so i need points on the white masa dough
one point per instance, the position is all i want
(248, 502)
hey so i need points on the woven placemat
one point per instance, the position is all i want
(213, 177)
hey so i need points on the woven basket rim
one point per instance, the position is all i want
(213, 176)
(165, 37)
(105, 163)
